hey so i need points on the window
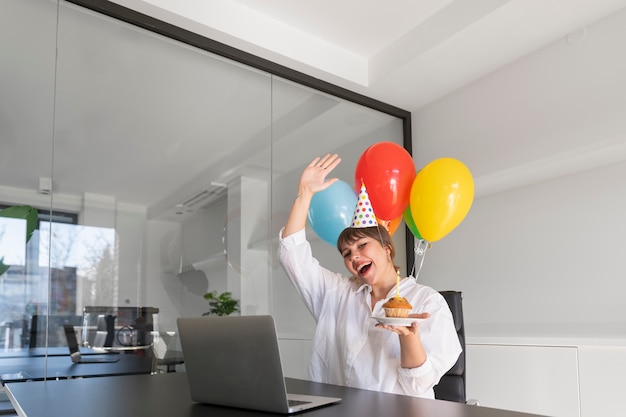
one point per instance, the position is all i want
(55, 279)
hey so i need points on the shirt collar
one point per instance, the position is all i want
(364, 287)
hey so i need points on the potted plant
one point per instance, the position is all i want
(221, 304)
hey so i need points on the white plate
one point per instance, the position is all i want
(396, 321)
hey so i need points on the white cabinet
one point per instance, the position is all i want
(533, 379)
(602, 380)
(557, 378)
(554, 377)
(295, 353)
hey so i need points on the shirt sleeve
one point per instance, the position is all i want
(304, 271)
(442, 346)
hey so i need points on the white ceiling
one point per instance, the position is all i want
(407, 53)
(404, 52)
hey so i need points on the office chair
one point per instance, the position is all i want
(451, 387)
(53, 326)
(105, 331)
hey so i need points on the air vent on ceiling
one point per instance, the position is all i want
(205, 198)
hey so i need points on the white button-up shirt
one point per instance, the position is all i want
(347, 347)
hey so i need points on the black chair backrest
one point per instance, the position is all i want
(53, 325)
(451, 387)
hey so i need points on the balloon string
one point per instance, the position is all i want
(420, 249)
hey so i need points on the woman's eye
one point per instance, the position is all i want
(362, 245)
(346, 254)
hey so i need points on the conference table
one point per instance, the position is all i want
(41, 351)
(33, 365)
(167, 395)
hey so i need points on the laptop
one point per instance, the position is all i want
(72, 343)
(234, 361)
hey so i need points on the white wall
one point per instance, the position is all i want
(541, 253)
(546, 253)
(544, 259)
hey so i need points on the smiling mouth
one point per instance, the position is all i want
(363, 268)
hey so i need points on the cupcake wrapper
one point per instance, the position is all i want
(397, 312)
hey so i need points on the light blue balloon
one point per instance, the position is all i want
(331, 211)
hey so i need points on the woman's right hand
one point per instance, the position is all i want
(313, 178)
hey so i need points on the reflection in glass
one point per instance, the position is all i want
(316, 125)
(169, 146)
(12, 281)
(83, 263)
(178, 165)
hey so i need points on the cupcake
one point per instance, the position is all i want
(397, 307)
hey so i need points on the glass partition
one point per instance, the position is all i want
(161, 171)
(316, 124)
(27, 74)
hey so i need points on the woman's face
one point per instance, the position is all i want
(368, 259)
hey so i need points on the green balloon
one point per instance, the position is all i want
(408, 218)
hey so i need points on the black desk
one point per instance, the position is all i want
(33, 368)
(42, 351)
(167, 395)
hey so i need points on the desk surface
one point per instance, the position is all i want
(43, 351)
(168, 395)
(33, 368)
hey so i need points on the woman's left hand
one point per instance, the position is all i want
(405, 330)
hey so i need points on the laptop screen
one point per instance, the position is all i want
(235, 361)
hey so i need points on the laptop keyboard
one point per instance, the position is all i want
(297, 402)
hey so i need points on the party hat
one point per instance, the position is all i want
(363, 213)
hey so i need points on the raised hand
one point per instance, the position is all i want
(313, 178)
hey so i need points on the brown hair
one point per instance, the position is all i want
(379, 233)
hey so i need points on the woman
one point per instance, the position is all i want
(348, 349)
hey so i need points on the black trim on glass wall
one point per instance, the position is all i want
(55, 216)
(173, 32)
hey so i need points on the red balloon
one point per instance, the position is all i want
(387, 171)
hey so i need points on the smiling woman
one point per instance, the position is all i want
(409, 358)
(182, 146)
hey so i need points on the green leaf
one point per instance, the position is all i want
(3, 268)
(27, 213)
(222, 304)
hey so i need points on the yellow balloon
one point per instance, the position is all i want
(441, 196)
